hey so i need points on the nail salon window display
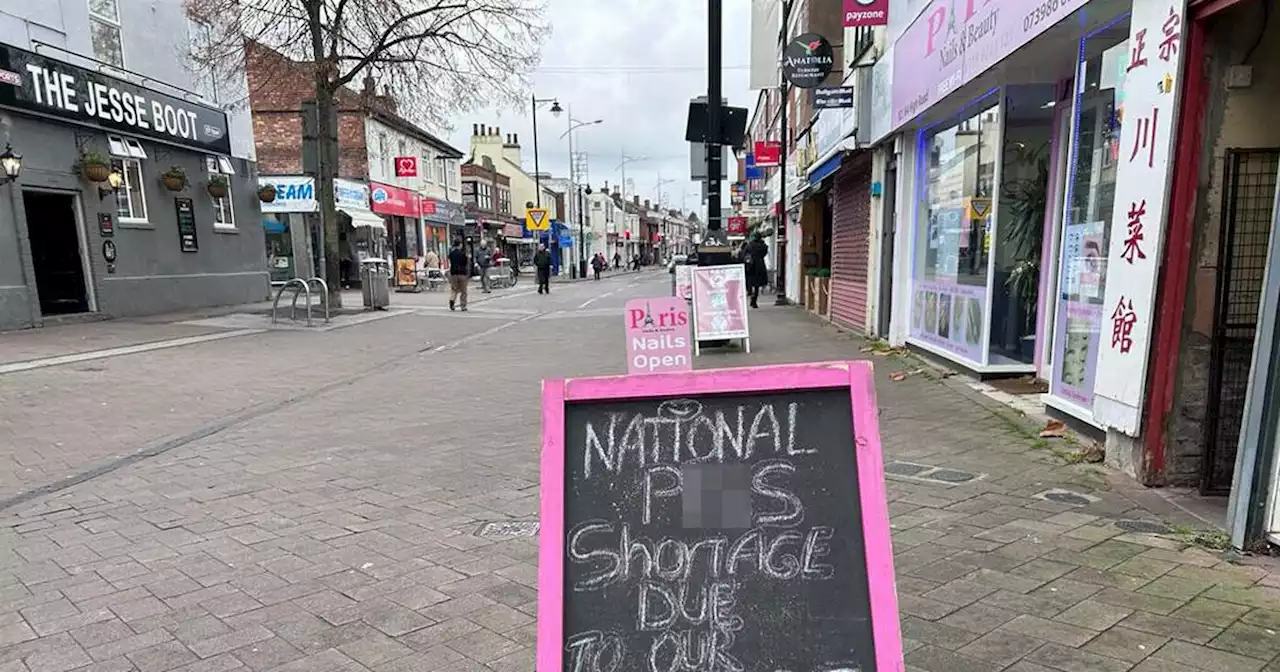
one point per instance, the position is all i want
(952, 237)
(1087, 226)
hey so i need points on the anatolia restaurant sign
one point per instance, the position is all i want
(42, 85)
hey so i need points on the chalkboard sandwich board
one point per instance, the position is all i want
(729, 520)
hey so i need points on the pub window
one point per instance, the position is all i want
(126, 148)
(131, 199)
(219, 164)
(104, 31)
(224, 216)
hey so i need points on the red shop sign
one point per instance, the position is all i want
(389, 200)
(737, 226)
(768, 153)
(427, 205)
(860, 13)
(406, 166)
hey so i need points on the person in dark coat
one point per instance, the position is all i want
(757, 272)
(542, 263)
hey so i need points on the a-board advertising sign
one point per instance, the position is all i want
(729, 519)
(684, 282)
(658, 335)
(719, 302)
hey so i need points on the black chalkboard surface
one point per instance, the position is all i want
(714, 532)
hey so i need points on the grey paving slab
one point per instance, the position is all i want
(338, 531)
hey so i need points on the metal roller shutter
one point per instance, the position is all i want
(851, 242)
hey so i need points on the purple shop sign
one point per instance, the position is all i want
(954, 41)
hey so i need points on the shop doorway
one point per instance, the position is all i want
(889, 215)
(1024, 200)
(1249, 187)
(57, 252)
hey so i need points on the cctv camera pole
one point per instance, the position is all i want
(715, 246)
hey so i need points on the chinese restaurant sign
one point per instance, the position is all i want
(951, 43)
(719, 520)
(1142, 190)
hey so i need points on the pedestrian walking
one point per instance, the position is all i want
(617, 261)
(542, 263)
(484, 259)
(757, 272)
(597, 264)
(459, 276)
(432, 260)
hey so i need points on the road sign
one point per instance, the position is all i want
(535, 219)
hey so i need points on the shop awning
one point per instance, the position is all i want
(830, 162)
(361, 218)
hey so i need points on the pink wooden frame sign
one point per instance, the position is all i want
(854, 377)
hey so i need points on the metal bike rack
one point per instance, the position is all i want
(300, 287)
(324, 296)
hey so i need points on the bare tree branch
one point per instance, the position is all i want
(435, 57)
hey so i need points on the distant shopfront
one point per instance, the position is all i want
(402, 211)
(361, 233)
(438, 215)
(291, 227)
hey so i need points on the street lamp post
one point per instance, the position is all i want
(574, 125)
(582, 236)
(534, 102)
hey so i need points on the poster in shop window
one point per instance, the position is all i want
(1147, 130)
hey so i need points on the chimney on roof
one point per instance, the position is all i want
(646, 204)
(635, 199)
(617, 193)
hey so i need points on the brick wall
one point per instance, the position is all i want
(277, 88)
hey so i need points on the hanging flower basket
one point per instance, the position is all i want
(174, 179)
(267, 194)
(217, 186)
(95, 167)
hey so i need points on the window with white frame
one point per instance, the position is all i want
(131, 199)
(104, 31)
(224, 215)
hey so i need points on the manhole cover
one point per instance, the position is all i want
(905, 468)
(509, 529)
(951, 476)
(1071, 498)
(1143, 526)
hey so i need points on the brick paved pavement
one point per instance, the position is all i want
(337, 532)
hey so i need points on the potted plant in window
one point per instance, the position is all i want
(218, 186)
(1027, 200)
(174, 178)
(267, 194)
(95, 167)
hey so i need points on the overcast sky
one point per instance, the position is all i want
(635, 64)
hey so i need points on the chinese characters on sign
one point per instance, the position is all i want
(1141, 202)
(1132, 244)
(1122, 325)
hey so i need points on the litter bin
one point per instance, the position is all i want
(375, 283)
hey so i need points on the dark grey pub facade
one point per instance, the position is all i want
(132, 244)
